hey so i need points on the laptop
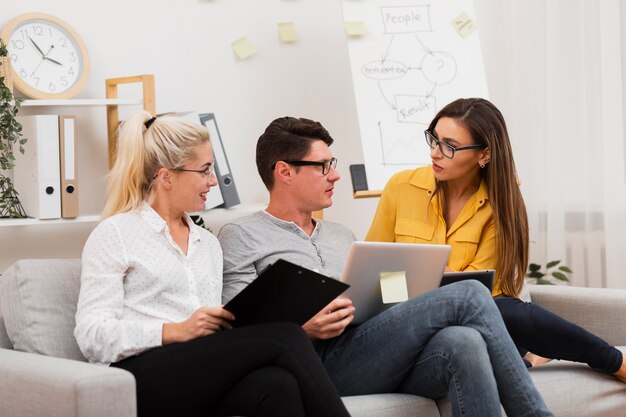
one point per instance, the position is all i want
(422, 264)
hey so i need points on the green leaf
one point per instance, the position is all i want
(560, 276)
(534, 267)
(536, 274)
(552, 263)
(565, 269)
(542, 281)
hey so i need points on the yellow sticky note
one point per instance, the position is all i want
(243, 47)
(288, 32)
(463, 25)
(393, 287)
(356, 28)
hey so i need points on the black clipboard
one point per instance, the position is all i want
(284, 292)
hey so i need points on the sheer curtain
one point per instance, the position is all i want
(560, 71)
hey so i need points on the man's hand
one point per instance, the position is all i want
(204, 321)
(331, 321)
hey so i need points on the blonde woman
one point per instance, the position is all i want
(469, 198)
(150, 298)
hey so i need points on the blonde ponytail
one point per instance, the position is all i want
(169, 142)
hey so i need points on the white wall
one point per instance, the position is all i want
(186, 44)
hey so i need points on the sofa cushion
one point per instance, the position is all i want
(392, 405)
(574, 389)
(38, 299)
(5, 342)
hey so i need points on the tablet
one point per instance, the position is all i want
(485, 277)
(422, 264)
(284, 292)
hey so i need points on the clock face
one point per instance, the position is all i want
(48, 60)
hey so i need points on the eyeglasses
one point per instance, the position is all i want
(207, 172)
(326, 165)
(446, 149)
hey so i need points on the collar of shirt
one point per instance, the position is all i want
(293, 227)
(424, 178)
(158, 224)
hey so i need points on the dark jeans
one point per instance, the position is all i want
(537, 330)
(266, 370)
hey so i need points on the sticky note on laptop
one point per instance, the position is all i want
(393, 287)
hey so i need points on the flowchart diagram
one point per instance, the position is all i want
(413, 60)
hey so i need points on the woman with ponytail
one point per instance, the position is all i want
(469, 198)
(150, 297)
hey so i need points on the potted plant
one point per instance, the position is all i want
(10, 135)
(549, 274)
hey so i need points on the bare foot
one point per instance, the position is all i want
(536, 360)
(621, 373)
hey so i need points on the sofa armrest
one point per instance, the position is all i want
(40, 386)
(602, 311)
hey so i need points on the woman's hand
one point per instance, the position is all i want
(204, 321)
(331, 321)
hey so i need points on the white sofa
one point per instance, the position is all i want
(37, 306)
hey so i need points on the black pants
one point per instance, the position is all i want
(266, 370)
(537, 330)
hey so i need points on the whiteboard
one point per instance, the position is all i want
(413, 59)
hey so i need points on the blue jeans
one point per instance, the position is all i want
(450, 341)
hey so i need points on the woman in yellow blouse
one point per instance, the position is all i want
(469, 199)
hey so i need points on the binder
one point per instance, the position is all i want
(222, 169)
(69, 163)
(214, 197)
(37, 172)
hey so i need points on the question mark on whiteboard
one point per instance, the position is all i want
(439, 64)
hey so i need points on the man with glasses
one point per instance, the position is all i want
(451, 341)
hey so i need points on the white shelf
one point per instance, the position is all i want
(82, 102)
(37, 222)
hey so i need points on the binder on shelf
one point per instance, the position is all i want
(69, 163)
(214, 198)
(37, 172)
(222, 169)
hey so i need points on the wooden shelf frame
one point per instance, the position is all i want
(367, 193)
(81, 102)
(113, 115)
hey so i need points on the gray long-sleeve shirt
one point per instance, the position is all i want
(252, 243)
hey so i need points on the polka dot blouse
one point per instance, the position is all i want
(135, 278)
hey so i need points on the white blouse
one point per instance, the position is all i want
(135, 278)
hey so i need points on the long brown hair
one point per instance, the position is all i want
(487, 126)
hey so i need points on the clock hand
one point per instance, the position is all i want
(52, 60)
(36, 46)
(36, 68)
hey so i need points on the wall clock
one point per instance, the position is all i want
(48, 58)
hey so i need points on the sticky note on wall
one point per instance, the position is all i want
(463, 25)
(393, 287)
(287, 32)
(355, 28)
(243, 48)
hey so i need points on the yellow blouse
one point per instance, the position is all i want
(406, 213)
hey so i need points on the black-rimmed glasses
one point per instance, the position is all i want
(446, 149)
(207, 172)
(326, 165)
